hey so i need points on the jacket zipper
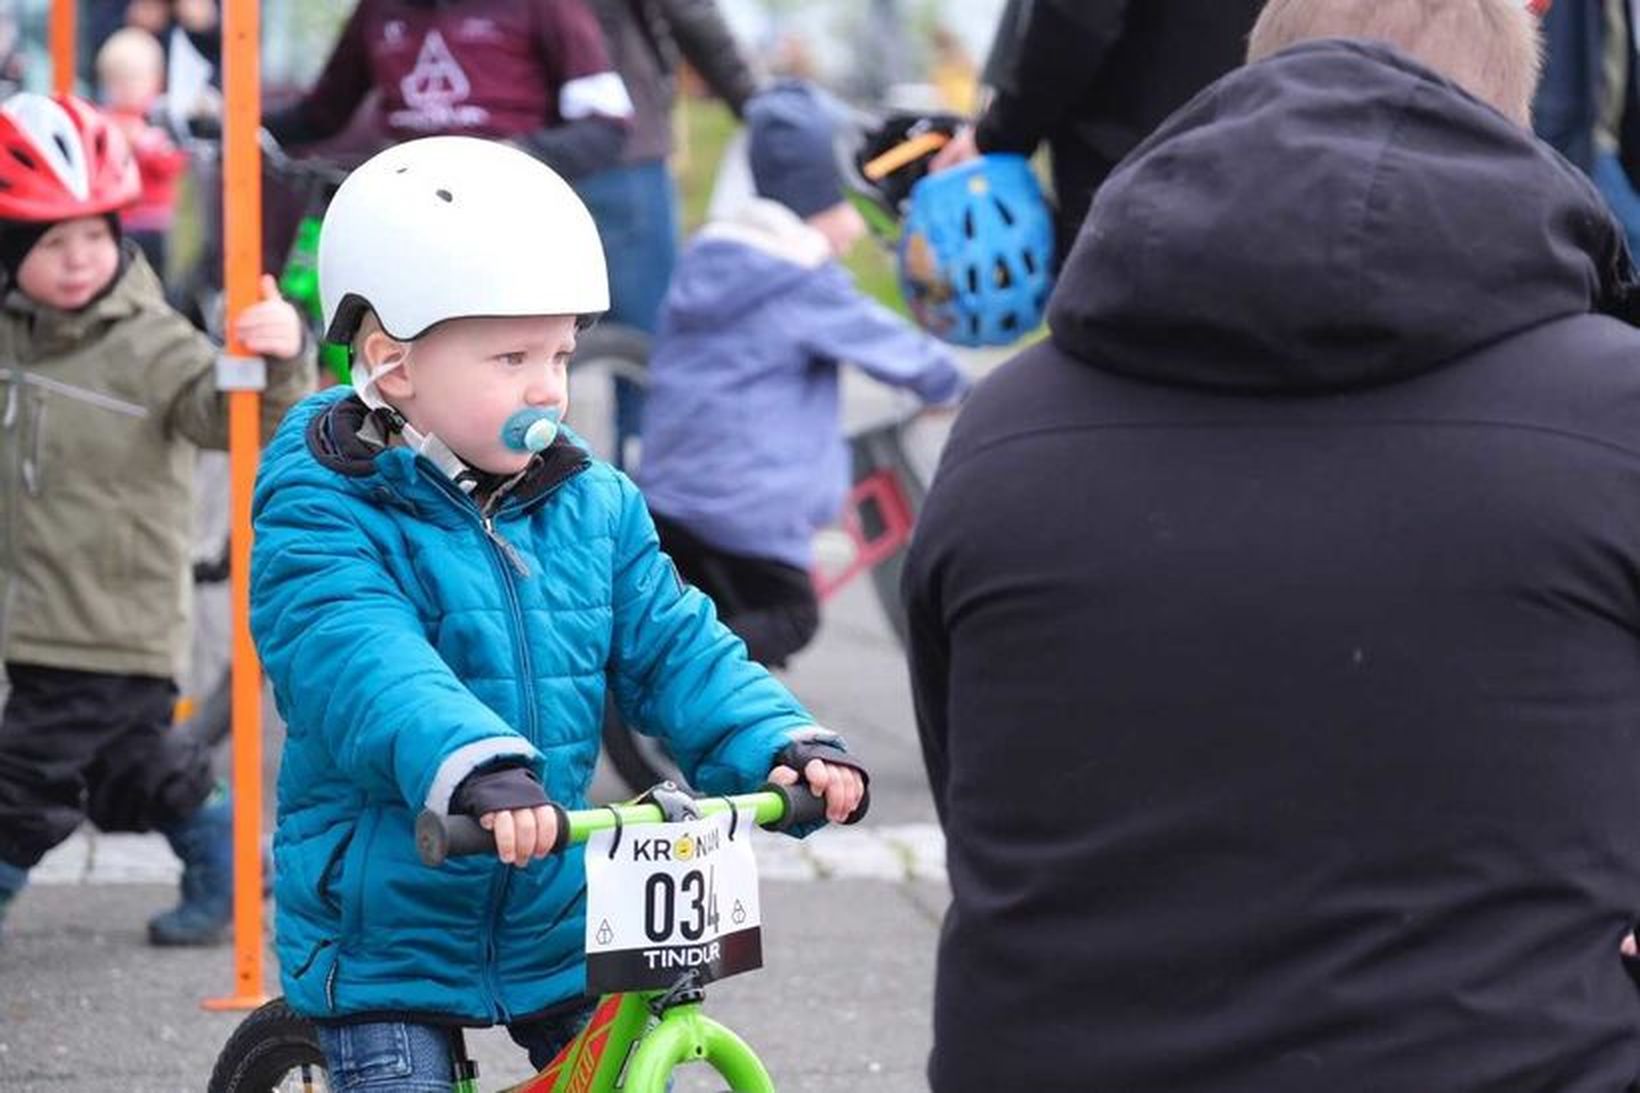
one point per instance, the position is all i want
(492, 979)
(330, 982)
(506, 560)
(31, 456)
(8, 483)
(80, 394)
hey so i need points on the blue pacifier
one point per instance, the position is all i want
(531, 429)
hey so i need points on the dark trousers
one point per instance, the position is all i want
(769, 604)
(1567, 107)
(77, 745)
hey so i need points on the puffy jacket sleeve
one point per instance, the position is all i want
(854, 329)
(706, 42)
(679, 673)
(349, 657)
(188, 396)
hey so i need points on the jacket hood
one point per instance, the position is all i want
(737, 262)
(1334, 216)
(334, 434)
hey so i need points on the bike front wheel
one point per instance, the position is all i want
(274, 1049)
(607, 381)
(641, 761)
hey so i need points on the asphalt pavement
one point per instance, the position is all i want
(850, 922)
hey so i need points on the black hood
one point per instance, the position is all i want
(1332, 217)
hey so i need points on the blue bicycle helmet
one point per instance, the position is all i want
(976, 253)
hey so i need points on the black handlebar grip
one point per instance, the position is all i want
(439, 837)
(802, 807)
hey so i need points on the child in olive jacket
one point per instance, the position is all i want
(105, 393)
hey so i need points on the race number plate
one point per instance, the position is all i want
(665, 899)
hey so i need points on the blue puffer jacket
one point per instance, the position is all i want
(407, 648)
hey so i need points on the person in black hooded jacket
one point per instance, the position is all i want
(1092, 78)
(1299, 748)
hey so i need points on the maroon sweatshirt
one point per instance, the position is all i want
(535, 71)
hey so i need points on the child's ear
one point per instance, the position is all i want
(385, 356)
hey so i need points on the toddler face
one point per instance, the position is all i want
(468, 376)
(131, 88)
(71, 264)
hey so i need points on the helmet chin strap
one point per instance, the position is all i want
(426, 445)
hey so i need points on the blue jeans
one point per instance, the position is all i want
(1620, 194)
(1567, 106)
(637, 214)
(411, 1058)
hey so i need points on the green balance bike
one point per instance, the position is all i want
(671, 906)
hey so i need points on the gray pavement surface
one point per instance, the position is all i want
(850, 921)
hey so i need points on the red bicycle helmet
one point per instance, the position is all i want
(60, 159)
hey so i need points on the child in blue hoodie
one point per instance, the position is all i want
(443, 588)
(744, 456)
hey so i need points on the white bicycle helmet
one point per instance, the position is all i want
(456, 227)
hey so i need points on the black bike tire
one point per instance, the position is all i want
(265, 1047)
(619, 352)
(639, 760)
(212, 721)
(623, 351)
(885, 578)
(626, 344)
(882, 448)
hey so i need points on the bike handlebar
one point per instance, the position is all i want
(775, 808)
(275, 159)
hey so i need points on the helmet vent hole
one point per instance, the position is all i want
(1010, 322)
(1002, 211)
(1030, 262)
(973, 280)
(1001, 275)
(445, 196)
(24, 158)
(973, 327)
(401, 170)
(968, 223)
(101, 144)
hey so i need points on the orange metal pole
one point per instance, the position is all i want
(242, 256)
(63, 13)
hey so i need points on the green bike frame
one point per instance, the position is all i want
(627, 1047)
(299, 283)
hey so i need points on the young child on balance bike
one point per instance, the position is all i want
(444, 585)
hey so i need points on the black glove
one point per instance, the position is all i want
(498, 788)
(798, 754)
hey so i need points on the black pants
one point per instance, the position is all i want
(769, 604)
(77, 744)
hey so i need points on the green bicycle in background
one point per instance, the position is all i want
(671, 906)
(317, 181)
